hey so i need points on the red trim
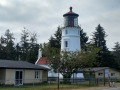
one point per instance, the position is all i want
(42, 60)
(70, 13)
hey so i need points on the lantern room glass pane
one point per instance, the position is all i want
(65, 21)
(75, 21)
(70, 21)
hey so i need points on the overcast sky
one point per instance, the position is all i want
(44, 16)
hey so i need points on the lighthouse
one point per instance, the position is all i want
(70, 32)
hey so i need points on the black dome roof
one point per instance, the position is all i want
(70, 13)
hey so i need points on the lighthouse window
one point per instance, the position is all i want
(75, 22)
(71, 21)
(78, 32)
(65, 21)
(66, 43)
(66, 31)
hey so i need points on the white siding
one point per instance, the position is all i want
(73, 38)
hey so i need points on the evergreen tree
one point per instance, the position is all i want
(18, 51)
(24, 44)
(83, 39)
(56, 40)
(43, 48)
(29, 47)
(58, 35)
(7, 44)
(33, 48)
(116, 54)
(10, 45)
(53, 42)
(99, 38)
(99, 41)
(2, 48)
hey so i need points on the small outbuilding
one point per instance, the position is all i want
(21, 72)
(100, 72)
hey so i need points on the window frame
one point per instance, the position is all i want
(66, 31)
(66, 44)
(37, 74)
(100, 74)
(76, 21)
(113, 74)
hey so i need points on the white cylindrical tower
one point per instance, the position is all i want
(70, 32)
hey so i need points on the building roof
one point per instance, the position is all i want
(10, 64)
(46, 66)
(70, 13)
(42, 61)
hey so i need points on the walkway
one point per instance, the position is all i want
(116, 88)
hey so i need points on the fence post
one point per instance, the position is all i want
(97, 81)
(104, 77)
(58, 78)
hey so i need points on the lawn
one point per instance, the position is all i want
(47, 87)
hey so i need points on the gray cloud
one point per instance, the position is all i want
(43, 16)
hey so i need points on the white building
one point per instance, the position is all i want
(71, 35)
(70, 32)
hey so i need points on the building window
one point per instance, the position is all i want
(100, 74)
(66, 43)
(66, 31)
(66, 21)
(75, 22)
(78, 32)
(37, 74)
(112, 74)
(70, 21)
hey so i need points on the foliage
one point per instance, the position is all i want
(105, 57)
(83, 39)
(24, 44)
(26, 50)
(7, 46)
(72, 61)
(18, 51)
(99, 38)
(2, 48)
(29, 47)
(67, 62)
(116, 53)
(56, 40)
(33, 48)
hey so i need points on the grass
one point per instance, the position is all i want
(47, 87)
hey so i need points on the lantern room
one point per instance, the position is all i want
(70, 19)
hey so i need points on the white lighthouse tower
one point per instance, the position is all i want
(70, 32)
